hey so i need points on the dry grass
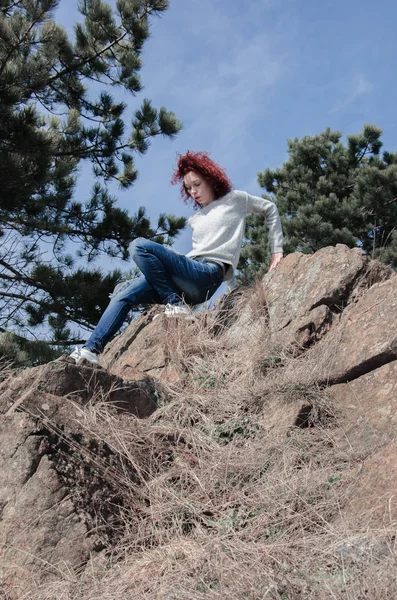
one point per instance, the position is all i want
(6, 370)
(231, 490)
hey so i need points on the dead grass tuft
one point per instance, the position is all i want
(6, 370)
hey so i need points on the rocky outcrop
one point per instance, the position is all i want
(59, 506)
(300, 302)
(334, 312)
(307, 293)
(304, 298)
(367, 408)
(141, 349)
(365, 336)
(39, 524)
(367, 412)
(42, 390)
(372, 500)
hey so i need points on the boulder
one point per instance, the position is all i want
(306, 292)
(65, 491)
(143, 349)
(42, 390)
(372, 501)
(40, 529)
(365, 337)
(367, 409)
(296, 305)
(59, 504)
(366, 412)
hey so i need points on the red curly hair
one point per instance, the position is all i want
(210, 170)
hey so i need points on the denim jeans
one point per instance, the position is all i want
(167, 277)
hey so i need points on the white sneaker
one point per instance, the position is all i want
(83, 353)
(176, 310)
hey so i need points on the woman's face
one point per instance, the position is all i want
(198, 188)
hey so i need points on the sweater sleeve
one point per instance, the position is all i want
(273, 223)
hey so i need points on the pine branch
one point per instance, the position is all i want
(374, 212)
(362, 154)
(82, 63)
(10, 268)
(73, 342)
(18, 44)
(7, 11)
(24, 298)
(126, 146)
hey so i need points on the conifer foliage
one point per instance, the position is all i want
(330, 193)
(56, 114)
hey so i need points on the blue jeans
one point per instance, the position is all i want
(167, 277)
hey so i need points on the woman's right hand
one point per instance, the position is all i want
(276, 258)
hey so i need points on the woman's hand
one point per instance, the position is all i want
(276, 257)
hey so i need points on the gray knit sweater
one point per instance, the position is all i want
(218, 228)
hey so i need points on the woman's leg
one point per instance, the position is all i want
(168, 277)
(174, 276)
(127, 295)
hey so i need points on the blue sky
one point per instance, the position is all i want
(245, 75)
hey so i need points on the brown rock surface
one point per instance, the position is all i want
(367, 409)
(39, 527)
(365, 337)
(136, 350)
(143, 349)
(35, 388)
(303, 298)
(54, 495)
(305, 291)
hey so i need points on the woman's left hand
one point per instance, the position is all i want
(276, 257)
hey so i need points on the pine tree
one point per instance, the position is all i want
(330, 193)
(56, 113)
(17, 352)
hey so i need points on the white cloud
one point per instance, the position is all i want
(357, 87)
(220, 65)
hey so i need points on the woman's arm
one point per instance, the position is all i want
(273, 223)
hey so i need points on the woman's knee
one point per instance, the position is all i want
(137, 245)
(121, 288)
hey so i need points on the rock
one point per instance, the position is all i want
(373, 499)
(367, 409)
(305, 291)
(365, 337)
(302, 332)
(39, 526)
(59, 503)
(67, 496)
(43, 388)
(142, 349)
(135, 351)
(250, 320)
(295, 306)
(47, 523)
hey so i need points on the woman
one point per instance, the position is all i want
(175, 280)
